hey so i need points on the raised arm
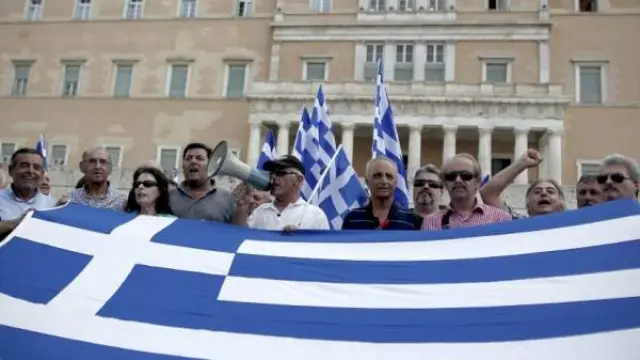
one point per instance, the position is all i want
(491, 191)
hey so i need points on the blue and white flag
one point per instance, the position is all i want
(268, 151)
(326, 139)
(339, 190)
(307, 149)
(41, 147)
(80, 283)
(385, 137)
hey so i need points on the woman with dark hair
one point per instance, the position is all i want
(149, 194)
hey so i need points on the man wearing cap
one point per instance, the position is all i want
(288, 211)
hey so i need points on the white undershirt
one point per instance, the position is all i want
(300, 214)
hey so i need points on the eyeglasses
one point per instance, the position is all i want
(281, 173)
(429, 183)
(615, 177)
(453, 175)
(146, 184)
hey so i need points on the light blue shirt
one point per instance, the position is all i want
(12, 207)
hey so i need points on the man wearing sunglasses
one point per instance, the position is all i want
(288, 211)
(461, 175)
(619, 177)
(427, 190)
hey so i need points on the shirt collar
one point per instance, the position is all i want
(15, 198)
(298, 202)
(393, 210)
(185, 190)
(109, 192)
(478, 207)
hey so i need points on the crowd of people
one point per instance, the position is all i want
(283, 208)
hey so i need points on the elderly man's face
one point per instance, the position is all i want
(45, 184)
(544, 198)
(285, 182)
(96, 166)
(460, 178)
(27, 171)
(588, 193)
(382, 179)
(616, 183)
(427, 189)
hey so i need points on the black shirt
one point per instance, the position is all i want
(398, 219)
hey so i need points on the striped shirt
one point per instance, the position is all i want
(397, 219)
(113, 199)
(481, 214)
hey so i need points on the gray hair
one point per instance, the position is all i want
(476, 166)
(630, 164)
(429, 169)
(378, 159)
(540, 181)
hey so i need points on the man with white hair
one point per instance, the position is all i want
(382, 212)
(619, 177)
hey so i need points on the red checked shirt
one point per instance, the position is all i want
(481, 215)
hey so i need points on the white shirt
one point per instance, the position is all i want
(300, 214)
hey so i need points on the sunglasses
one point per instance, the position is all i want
(616, 178)
(453, 175)
(281, 173)
(146, 184)
(429, 183)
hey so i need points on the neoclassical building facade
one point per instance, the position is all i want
(491, 78)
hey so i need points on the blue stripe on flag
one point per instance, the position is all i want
(44, 270)
(459, 325)
(614, 257)
(28, 345)
(154, 293)
(85, 217)
(202, 235)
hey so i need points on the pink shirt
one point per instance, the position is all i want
(481, 215)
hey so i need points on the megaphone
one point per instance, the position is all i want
(226, 163)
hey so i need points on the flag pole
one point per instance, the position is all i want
(324, 173)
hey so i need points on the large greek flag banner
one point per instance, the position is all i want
(78, 283)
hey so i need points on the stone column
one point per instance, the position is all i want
(419, 61)
(450, 62)
(543, 61)
(274, 68)
(415, 149)
(389, 61)
(360, 58)
(555, 154)
(484, 148)
(449, 142)
(347, 139)
(254, 143)
(520, 147)
(283, 138)
(543, 148)
(392, 4)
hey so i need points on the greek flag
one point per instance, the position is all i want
(339, 190)
(41, 147)
(326, 140)
(306, 149)
(268, 151)
(80, 283)
(385, 137)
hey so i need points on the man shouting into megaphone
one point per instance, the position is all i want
(288, 211)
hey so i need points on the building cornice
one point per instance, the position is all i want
(393, 31)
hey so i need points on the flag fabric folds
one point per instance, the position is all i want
(385, 137)
(339, 190)
(84, 283)
(41, 147)
(268, 151)
(306, 149)
(326, 140)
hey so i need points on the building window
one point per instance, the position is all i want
(21, 70)
(496, 72)
(320, 5)
(83, 9)
(377, 5)
(168, 159)
(134, 9)
(6, 151)
(122, 82)
(188, 8)
(435, 66)
(403, 70)
(115, 155)
(374, 52)
(315, 70)
(406, 5)
(236, 79)
(178, 78)
(71, 80)
(437, 5)
(586, 167)
(58, 156)
(244, 8)
(34, 10)
(498, 5)
(587, 5)
(590, 80)
(499, 163)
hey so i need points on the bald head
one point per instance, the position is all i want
(96, 165)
